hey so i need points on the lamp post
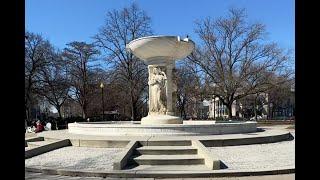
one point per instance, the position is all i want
(102, 86)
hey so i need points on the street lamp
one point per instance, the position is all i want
(102, 86)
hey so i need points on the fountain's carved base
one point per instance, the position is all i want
(161, 119)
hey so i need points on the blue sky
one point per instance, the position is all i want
(63, 21)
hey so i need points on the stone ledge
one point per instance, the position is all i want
(210, 161)
(46, 148)
(247, 141)
(268, 136)
(124, 157)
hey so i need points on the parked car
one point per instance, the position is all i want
(258, 118)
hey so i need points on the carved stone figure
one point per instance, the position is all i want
(157, 83)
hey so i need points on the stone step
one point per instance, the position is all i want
(196, 167)
(168, 160)
(166, 150)
(166, 143)
(39, 143)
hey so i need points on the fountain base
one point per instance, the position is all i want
(161, 119)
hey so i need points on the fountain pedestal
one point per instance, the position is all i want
(161, 113)
(160, 53)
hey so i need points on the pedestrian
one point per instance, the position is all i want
(39, 127)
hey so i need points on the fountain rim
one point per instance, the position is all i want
(158, 36)
(120, 125)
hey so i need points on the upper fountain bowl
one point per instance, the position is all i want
(161, 48)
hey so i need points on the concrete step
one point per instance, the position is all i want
(168, 160)
(166, 150)
(167, 143)
(197, 167)
(39, 143)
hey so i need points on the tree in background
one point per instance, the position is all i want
(54, 82)
(119, 29)
(282, 100)
(38, 53)
(78, 56)
(234, 55)
(189, 90)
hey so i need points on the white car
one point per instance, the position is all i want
(258, 118)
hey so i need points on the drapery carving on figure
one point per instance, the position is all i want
(157, 83)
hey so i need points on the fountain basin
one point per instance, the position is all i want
(161, 48)
(186, 129)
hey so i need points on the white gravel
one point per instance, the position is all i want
(260, 156)
(78, 158)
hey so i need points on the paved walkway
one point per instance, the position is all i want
(39, 176)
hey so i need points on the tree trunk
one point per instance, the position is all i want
(133, 111)
(84, 111)
(59, 111)
(27, 114)
(229, 107)
(255, 108)
(133, 106)
(214, 107)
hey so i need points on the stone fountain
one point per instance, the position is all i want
(160, 54)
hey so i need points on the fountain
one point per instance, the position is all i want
(160, 54)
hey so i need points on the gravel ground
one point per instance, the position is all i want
(76, 158)
(260, 156)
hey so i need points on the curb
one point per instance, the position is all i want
(157, 174)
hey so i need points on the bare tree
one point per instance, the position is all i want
(235, 57)
(38, 53)
(282, 99)
(188, 94)
(54, 82)
(79, 55)
(119, 29)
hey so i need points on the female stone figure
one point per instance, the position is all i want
(157, 84)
